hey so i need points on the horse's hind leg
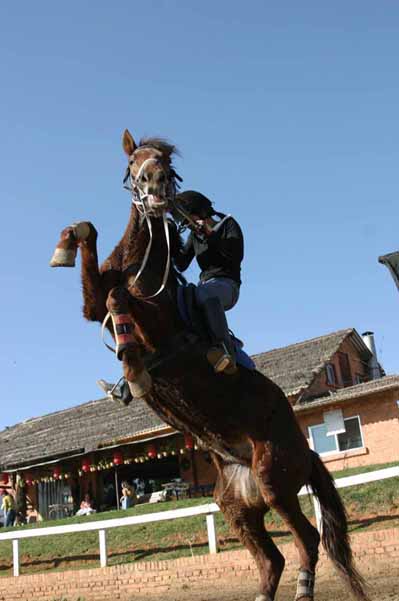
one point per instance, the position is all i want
(307, 540)
(245, 515)
(306, 537)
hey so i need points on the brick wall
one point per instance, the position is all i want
(379, 417)
(126, 581)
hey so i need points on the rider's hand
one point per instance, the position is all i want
(203, 228)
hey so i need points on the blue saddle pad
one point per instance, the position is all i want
(241, 356)
(185, 312)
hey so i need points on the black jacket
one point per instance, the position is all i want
(218, 255)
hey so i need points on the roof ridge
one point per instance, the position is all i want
(346, 331)
(355, 391)
(36, 418)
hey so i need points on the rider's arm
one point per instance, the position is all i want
(184, 254)
(231, 245)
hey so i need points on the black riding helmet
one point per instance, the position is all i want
(194, 203)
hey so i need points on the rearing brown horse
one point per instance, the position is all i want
(261, 455)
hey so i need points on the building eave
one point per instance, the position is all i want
(352, 393)
(140, 437)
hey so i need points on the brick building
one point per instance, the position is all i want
(346, 406)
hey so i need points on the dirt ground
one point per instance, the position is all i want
(382, 578)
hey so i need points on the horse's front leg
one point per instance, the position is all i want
(94, 287)
(83, 235)
(127, 348)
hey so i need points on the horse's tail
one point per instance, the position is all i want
(335, 536)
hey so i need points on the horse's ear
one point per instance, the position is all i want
(129, 145)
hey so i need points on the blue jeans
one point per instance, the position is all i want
(225, 289)
(9, 518)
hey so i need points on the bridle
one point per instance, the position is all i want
(141, 199)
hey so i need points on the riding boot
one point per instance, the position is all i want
(221, 354)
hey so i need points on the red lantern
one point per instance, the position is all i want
(85, 465)
(151, 451)
(57, 472)
(117, 458)
(4, 479)
(188, 442)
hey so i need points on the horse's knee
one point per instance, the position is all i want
(117, 300)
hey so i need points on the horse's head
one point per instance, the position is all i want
(150, 172)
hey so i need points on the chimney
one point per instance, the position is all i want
(374, 368)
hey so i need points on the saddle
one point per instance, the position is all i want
(194, 321)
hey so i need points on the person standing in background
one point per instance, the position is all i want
(8, 506)
(129, 497)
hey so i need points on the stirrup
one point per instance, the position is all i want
(111, 390)
(221, 360)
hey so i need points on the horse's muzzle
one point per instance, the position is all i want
(157, 203)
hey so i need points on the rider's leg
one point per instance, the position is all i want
(225, 289)
(214, 297)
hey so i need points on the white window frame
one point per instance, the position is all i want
(335, 436)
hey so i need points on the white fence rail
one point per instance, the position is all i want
(208, 510)
(375, 476)
(103, 525)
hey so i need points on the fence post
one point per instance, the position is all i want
(103, 548)
(212, 540)
(15, 556)
(317, 512)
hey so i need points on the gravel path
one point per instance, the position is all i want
(383, 580)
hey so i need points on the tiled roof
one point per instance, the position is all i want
(80, 429)
(352, 392)
(294, 367)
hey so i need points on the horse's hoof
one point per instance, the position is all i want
(263, 598)
(63, 257)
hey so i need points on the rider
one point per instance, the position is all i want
(218, 246)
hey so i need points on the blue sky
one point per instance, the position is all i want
(286, 115)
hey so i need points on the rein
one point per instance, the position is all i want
(140, 200)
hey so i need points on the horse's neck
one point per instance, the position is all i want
(157, 326)
(136, 241)
(130, 239)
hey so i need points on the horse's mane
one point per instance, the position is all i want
(160, 144)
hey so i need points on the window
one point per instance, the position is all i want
(350, 439)
(345, 367)
(330, 369)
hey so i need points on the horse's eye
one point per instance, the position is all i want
(131, 162)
